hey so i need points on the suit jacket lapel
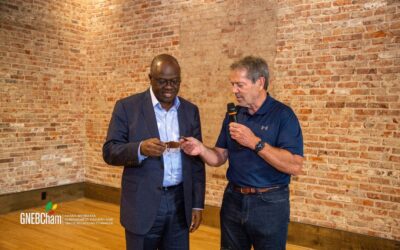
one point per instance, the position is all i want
(149, 115)
(183, 131)
(182, 119)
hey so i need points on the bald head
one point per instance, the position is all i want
(164, 59)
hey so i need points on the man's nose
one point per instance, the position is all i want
(235, 89)
(169, 84)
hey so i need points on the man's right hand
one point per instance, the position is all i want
(152, 147)
(191, 146)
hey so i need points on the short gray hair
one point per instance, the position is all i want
(256, 67)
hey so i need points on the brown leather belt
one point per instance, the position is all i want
(252, 190)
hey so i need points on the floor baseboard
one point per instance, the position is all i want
(39, 197)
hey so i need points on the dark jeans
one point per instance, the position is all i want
(258, 220)
(169, 231)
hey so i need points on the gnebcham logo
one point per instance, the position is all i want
(50, 208)
(42, 218)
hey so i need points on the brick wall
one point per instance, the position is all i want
(337, 65)
(334, 62)
(124, 37)
(42, 78)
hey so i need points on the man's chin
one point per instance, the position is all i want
(242, 103)
(168, 99)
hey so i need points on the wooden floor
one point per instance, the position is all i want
(85, 233)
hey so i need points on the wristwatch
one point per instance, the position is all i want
(259, 146)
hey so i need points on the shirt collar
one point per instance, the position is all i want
(156, 103)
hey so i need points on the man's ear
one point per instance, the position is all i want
(149, 77)
(261, 82)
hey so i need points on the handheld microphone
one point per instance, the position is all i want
(232, 113)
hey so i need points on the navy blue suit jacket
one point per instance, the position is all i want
(133, 120)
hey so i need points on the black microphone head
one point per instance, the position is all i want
(231, 107)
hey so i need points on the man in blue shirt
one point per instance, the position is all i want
(162, 189)
(264, 148)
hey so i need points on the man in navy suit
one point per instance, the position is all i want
(162, 188)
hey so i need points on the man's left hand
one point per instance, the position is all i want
(243, 135)
(196, 220)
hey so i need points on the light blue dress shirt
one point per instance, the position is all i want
(168, 128)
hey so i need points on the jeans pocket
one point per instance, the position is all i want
(228, 189)
(277, 196)
(272, 201)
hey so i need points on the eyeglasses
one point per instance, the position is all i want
(173, 82)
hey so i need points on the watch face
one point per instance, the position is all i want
(259, 146)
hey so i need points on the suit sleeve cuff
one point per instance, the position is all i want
(140, 156)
